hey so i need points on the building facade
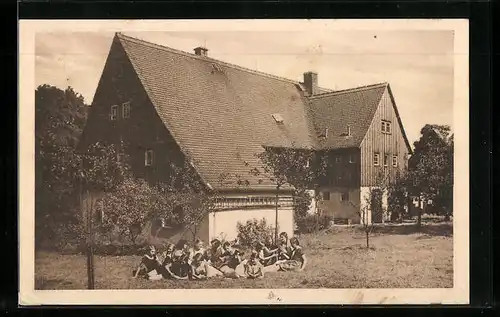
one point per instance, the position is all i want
(171, 107)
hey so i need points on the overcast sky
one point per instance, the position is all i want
(417, 64)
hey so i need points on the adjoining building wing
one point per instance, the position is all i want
(342, 118)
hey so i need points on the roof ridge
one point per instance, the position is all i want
(203, 58)
(348, 90)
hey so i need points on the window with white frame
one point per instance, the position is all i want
(126, 110)
(338, 159)
(386, 126)
(395, 161)
(114, 113)
(148, 158)
(376, 159)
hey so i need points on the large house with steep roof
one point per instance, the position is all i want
(169, 104)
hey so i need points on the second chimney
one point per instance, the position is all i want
(311, 82)
(202, 51)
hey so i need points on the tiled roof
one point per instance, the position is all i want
(336, 111)
(221, 115)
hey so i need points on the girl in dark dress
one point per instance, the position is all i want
(167, 259)
(283, 247)
(214, 255)
(230, 259)
(297, 261)
(149, 266)
(201, 269)
(266, 258)
(179, 268)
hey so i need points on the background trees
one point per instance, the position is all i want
(431, 168)
(59, 119)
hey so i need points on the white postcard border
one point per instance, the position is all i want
(459, 294)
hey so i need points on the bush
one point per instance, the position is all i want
(254, 230)
(311, 223)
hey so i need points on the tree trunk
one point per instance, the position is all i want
(367, 238)
(419, 216)
(276, 218)
(90, 245)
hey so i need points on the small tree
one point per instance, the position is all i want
(397, 196)
(96, 169)
(372, 202)
(300, 168)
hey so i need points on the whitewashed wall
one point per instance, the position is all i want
(223, 223)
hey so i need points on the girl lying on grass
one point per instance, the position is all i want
(149, 267)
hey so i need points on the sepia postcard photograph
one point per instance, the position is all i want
(243, 162)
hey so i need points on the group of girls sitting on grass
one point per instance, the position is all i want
(221, 260)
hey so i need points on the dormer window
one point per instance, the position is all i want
(277, 117)
(216, 67)
(114, 113)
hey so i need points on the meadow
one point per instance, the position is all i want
(400, 256)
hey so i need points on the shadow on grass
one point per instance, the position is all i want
(440, 229)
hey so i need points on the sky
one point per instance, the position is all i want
(418, 64)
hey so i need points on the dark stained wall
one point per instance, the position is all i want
(143, 130)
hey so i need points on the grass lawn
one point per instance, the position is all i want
(401, 257)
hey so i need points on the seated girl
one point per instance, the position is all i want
(201, 269)
(284, 247)
(178, 268)
(230, 260)
(167, 259)
(214, 254)
(253, 267)
(265, 258)
(196, 249)
(149, 266)
(297, 261)
(269, 246)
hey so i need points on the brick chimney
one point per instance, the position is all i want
(311, 83)
(202, 51)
